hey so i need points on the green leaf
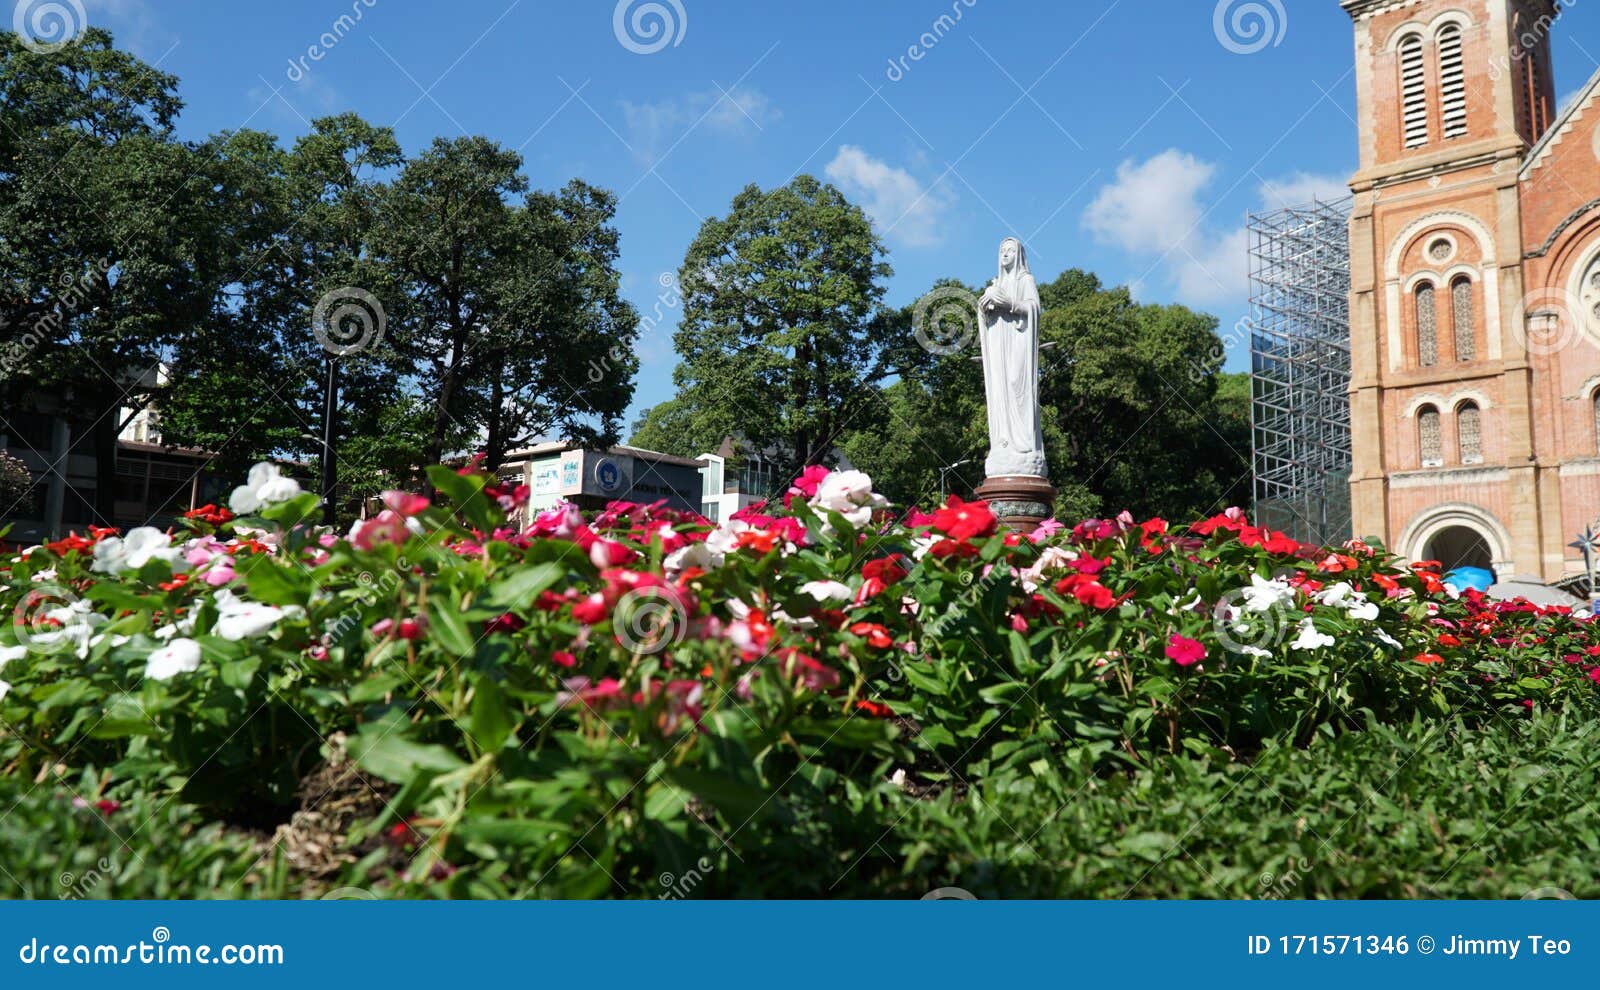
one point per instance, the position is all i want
(393, 757)
(492, 717)
(524, 584)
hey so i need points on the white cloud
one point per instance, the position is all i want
(901, 207)
(652, 128)
(1156, 208)
(1300, 188)
(133, 24)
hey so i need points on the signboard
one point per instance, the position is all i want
(608, 475)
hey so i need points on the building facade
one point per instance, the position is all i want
(1475, 288)
(565, 472)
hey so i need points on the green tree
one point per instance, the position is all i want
(1129, 401)
(779, 302)
(108, 232)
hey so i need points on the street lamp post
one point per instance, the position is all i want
(944, 471)
(1587, 543)
(330, 472)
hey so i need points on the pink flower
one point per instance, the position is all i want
(806, 485)
(220, 572)
(1185, 652)
(387, 527)
(1045, 530)
(405, 504)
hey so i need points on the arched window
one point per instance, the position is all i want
(1427, 326)
(1452, 82)
(1428, 437)
(1461, 315)
(1469, 433)
(1414, 91)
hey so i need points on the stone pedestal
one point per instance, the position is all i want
(1021, 502)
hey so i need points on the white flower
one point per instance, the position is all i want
(116, 554)
(1264, 595)
(1344, 595)
(5, 689)
(264, 486)
(238, 619)
(824, 591)
(75, 624)
(850, 494)
(1364, 610)
(1309, 638)
(10, 653)
(1388, 639)
(699, 554)
(48, 574)
(181, 656)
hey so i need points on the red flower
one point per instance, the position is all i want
(874, 709)
(1095, 595)
(210, 514)
(876, 635)
(591, 609)
(885, 569)
(811, 675)
(506, 623)
(964, 520)
(1429, 658)
(1594, 674)
(1184, 651)
(1445, 639)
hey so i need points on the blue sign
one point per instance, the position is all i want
(608, 475)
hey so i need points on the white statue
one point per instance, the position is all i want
(1008, 322)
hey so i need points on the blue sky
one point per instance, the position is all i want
(1129, 137)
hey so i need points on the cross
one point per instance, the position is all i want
(1587, 543)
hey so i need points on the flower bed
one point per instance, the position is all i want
(571, 705)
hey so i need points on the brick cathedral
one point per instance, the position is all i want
(1475, 288)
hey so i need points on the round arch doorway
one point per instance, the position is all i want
(1459, 546)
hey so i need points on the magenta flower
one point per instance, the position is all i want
(1185, 652)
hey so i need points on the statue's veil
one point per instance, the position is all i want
(1012, 280)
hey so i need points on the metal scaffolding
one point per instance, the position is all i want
(1300, 370)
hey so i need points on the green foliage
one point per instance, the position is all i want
(778, 299)
(520, 726)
